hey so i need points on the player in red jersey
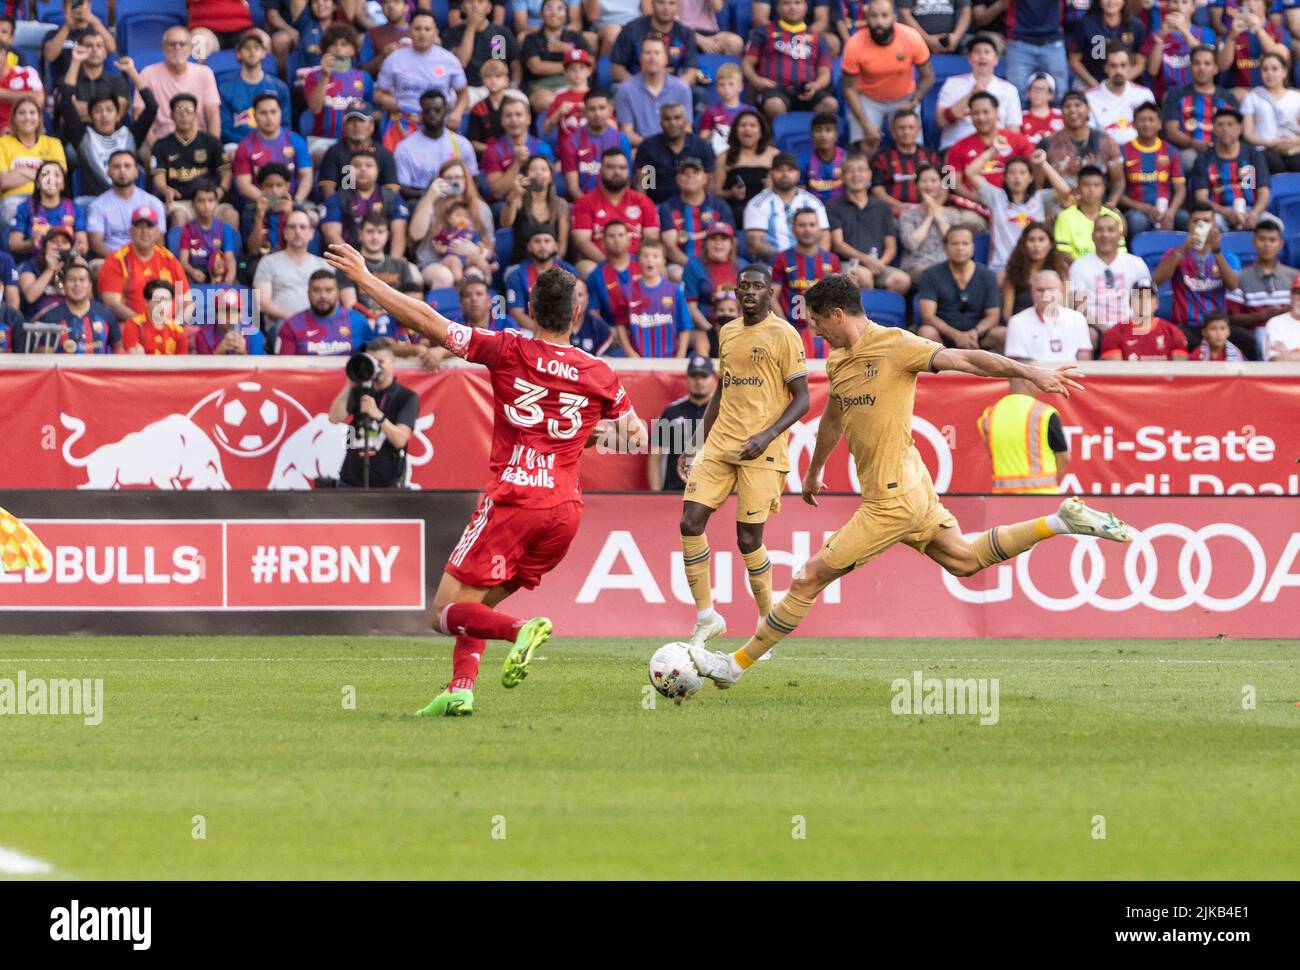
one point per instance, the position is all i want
(549, 398)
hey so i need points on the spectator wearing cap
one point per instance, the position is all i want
(156, 329)
(358, 133)
(953, 108)
(326, 328)
(507, 154)
(710, 277)
(1049, 331)
(1077, 146)
(86, 79)
(1281, 340)
(1041, 118)
(282, 277)
(565, 110)
(581, 150)
(863, 230)
(544, 51)
(1143, 336)
(185, 158)
(657, 156)
(227, 333)
(1232, 177)
(110, 216)
(610, 280)
(663, 21)
(176, 75)
(611, 200)
(886, 69)
(532, 202)
(345, 209)
(411, 72)
(768, 228)
(238, 91)
(959, 300)
(271, 142)
(420, 154)
(331, 88)
(89, 327)
(788, 64)
(679, 432)
(1201, 275)
(686, 218)
(125, 273)
(1264, 287)
(641, 98)
(379, 42)
(542, 255)
(477, 41)
(40, 277)
(1189, 111)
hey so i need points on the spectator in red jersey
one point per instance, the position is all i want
(331, 88)
(1144, 336)
(565, 112)
(580, 151)
(788, 65)
(155, 329)
(15, 82)
(485, 116)
(612, 199)
(1041, 118)
(798, 268)
(507, 155)
(706, 281)
(217, 24)
(1009, 144)
(716, 120)
(126, 273)
(893, 169)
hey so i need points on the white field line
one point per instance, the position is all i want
(14, 863)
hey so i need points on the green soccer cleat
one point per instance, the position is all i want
(531, 636)
(450, 703)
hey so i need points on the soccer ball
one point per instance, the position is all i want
(673, 674)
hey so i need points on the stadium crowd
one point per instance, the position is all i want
(1056, 179)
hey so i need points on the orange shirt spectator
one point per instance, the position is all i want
(155, 330)
(885, 72)
(125, 273)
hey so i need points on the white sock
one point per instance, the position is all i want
(1057, 524)
(704, 614)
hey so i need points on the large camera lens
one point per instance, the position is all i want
(361, 368)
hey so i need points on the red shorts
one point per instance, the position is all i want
(513, 546)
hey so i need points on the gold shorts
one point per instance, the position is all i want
(913, 518)
(758, 490)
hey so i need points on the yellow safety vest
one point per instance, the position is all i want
(1015, 432)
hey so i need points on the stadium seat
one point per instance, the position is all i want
(740, 18)
(174, 240)
(144, 31)
(1154, 243)
(126, 9)
(709, 63)
(258, 13)
(982, 248)
(1241, 244)
(1165, 302)
(604, 77)
(885, 307)
(223, 64)
(441, 12)
(1289, 212)
(447, 302)
(930, 133)
(307, 121)
(505, 243)
(1284, 185)
(51, 12)
(947, 65)
(792, 131)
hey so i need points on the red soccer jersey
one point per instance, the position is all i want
(19, 79)
(595, 210)
(546, 401)
(1163, 341)
(574, 119)
(972, 146)
(1036, 129)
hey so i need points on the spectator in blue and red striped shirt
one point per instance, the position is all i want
(1153, 176)
(1232, 176)
(688, 217)
(788, 65)
(1189, 111)
(1200, 272)
(331, 88)
(581, 150)
(272, 142)
(893, 169)
(506, 156)
(823, 173)
(658, 324)
(541, 257)
(798, 268)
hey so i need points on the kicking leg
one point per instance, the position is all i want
(696, 557)
(467, 652)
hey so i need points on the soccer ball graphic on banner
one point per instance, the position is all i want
(673, 674)
(250, 420)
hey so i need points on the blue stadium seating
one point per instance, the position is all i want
(258, 13)
(446, 302)
(709, 63)
(1288, 210)
(51, 12)
(441, 11)
(740, 18)
(792, 131)
(1153, 244)
(1165, 302)
(885, 307)
(505, 242)
(143, 32)
(947, 65)
(133, 8)
(1241, 244)
(307, 120)
(1284, 185)
(604, 77)
(982, 248)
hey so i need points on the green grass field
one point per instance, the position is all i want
(586, 782)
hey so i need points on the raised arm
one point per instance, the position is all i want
(413, 314)
(983, 363)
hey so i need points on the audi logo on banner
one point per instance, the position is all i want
(1192, 562)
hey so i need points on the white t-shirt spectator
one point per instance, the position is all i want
(418, 157)
(1030, 337)
(1113, 113)
(111, 215)
(408, 74)
(767, 212)
(1107, 296)
(1274, 117)
(960, 85)
(1283, 329)
(288, 279)
(1007, 219)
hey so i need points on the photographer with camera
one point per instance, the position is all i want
(40, 279)
(382, 414)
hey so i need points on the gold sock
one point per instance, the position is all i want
(1005, 541)
(759, 567)
(773, 628)
(695, 557)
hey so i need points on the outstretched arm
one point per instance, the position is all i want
(829, 431)
(413, 314)
(796, 409)
(983, 363)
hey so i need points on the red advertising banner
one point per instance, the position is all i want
(237, 564)
(1196, 567)
(1148, 433)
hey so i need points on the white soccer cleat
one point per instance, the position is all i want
(717, 667)
(708, 628)
(1083, 521)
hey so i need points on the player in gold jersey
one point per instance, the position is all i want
(872, 373)
(763, 389)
